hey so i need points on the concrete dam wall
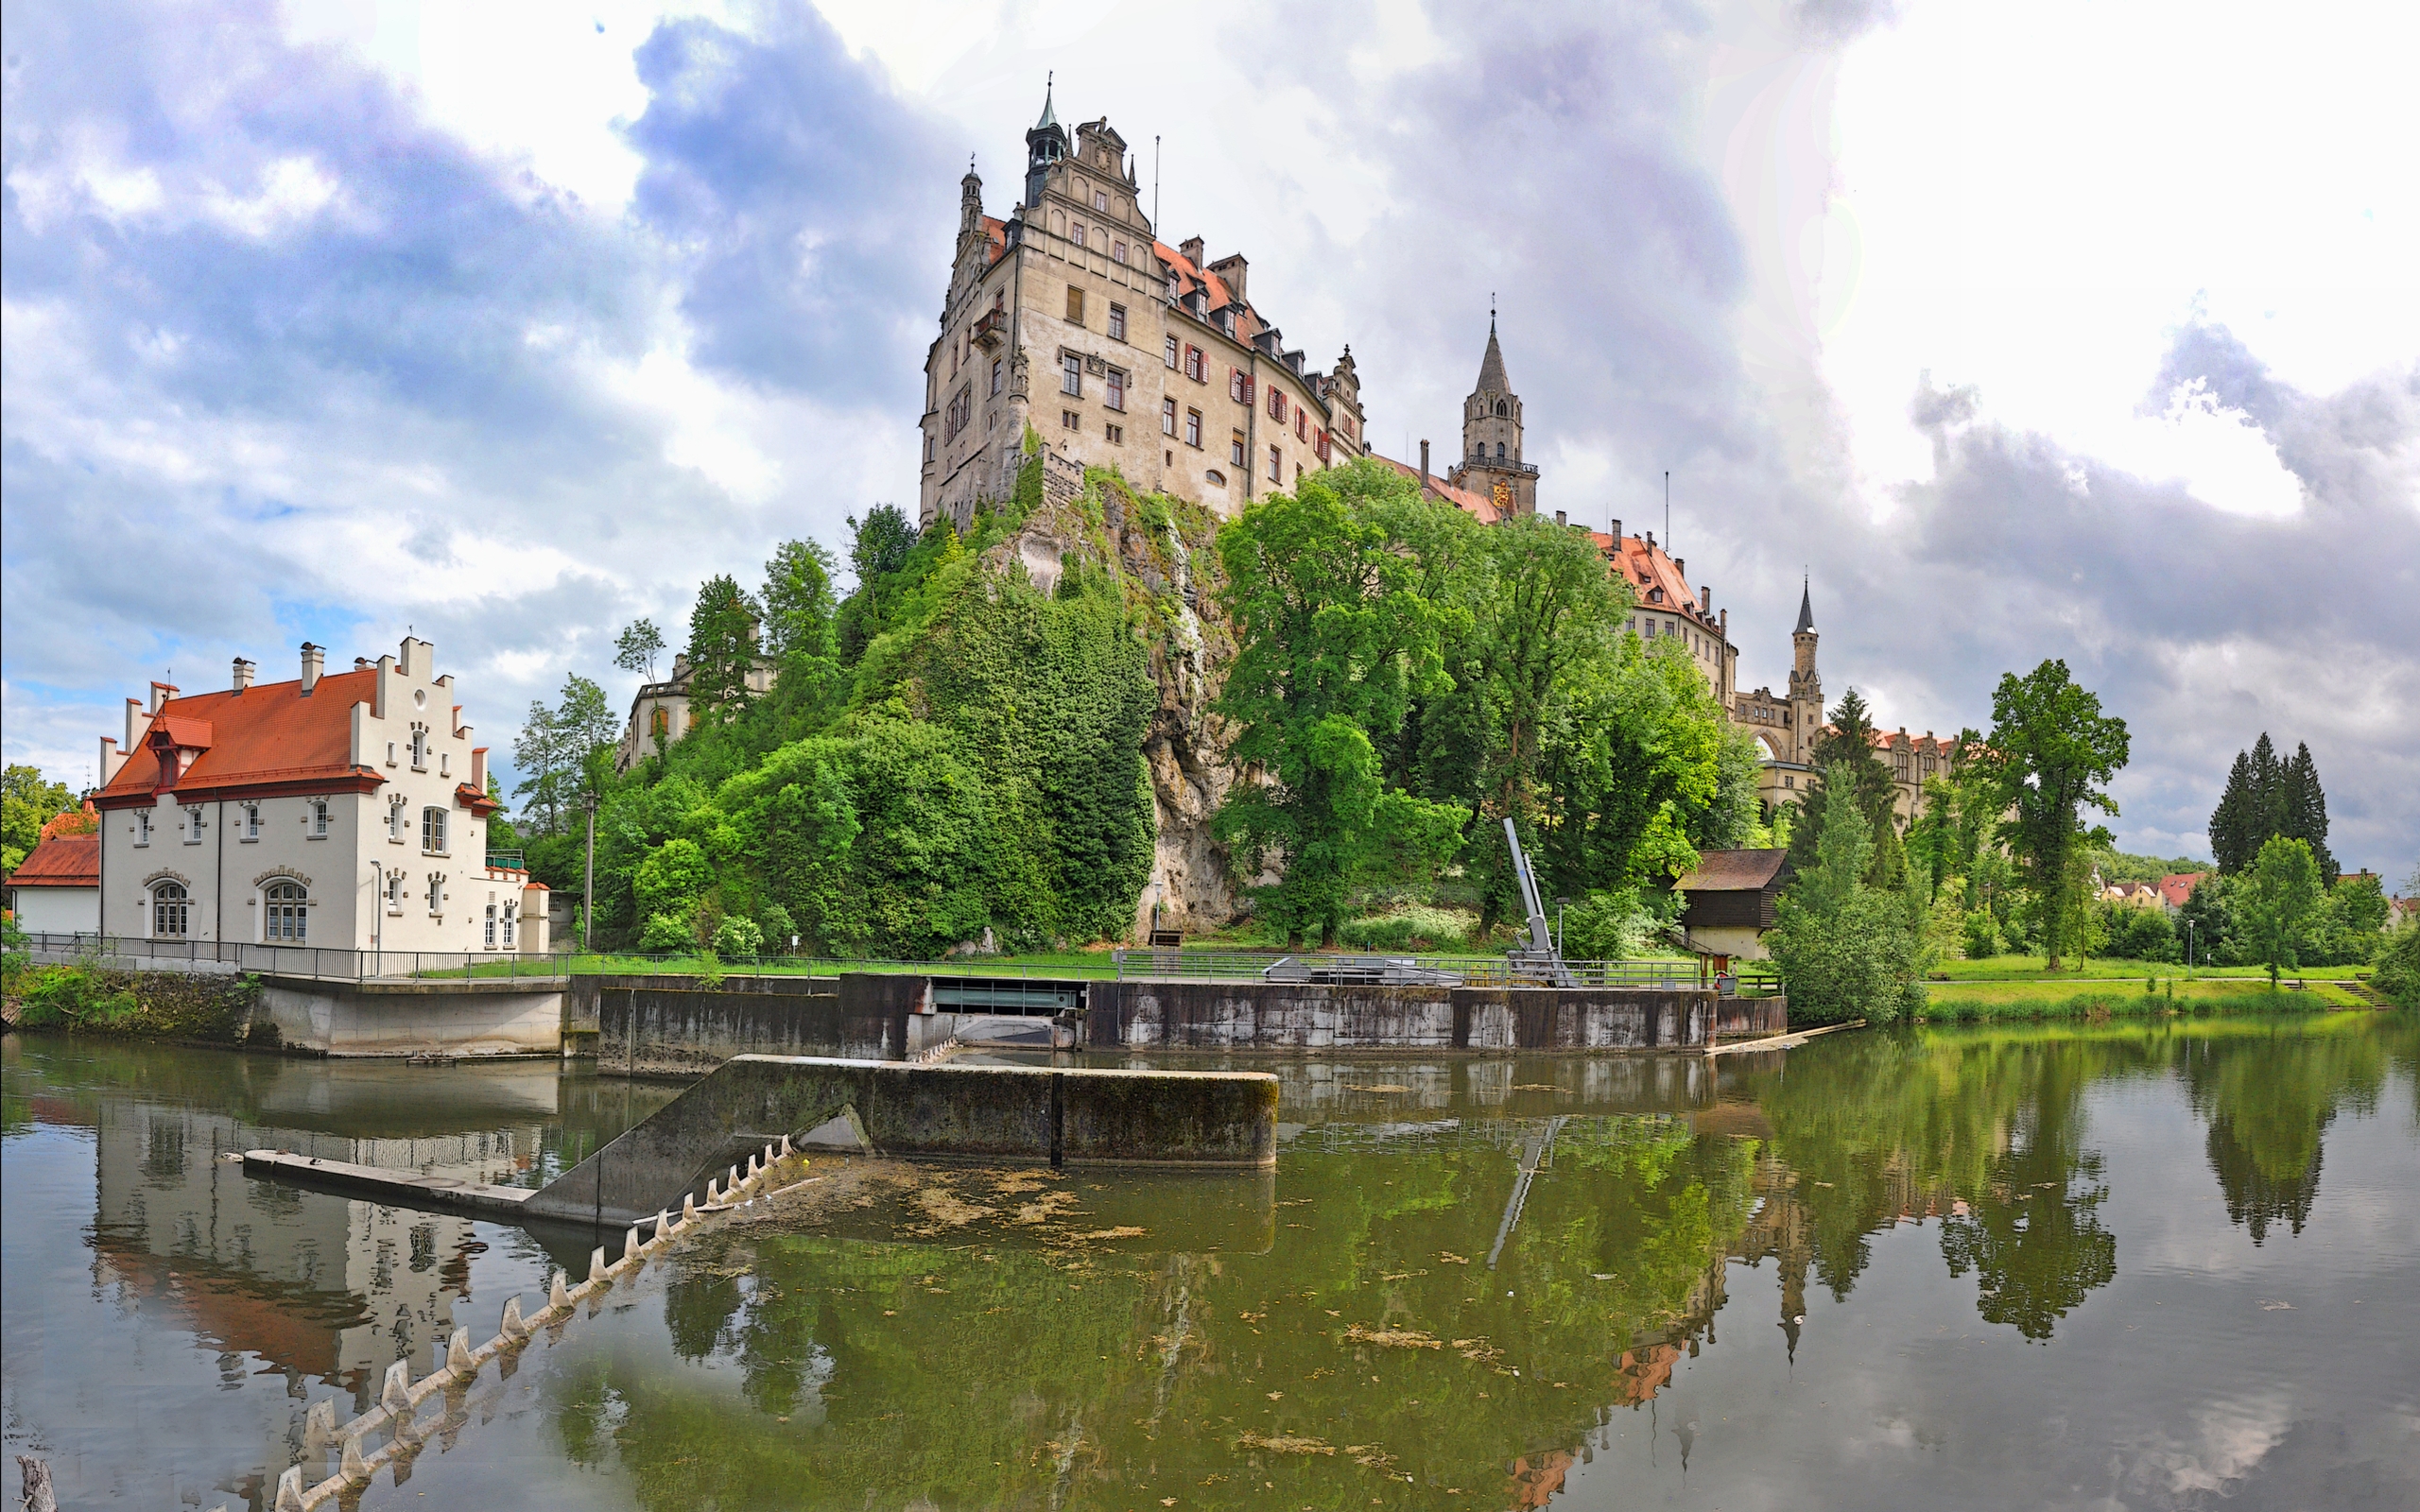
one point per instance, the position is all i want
(1166, 1118)
(1313, 1016)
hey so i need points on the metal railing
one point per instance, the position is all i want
(318, 963)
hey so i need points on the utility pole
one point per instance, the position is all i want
(588, 887)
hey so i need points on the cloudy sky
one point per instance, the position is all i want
(2049, 330)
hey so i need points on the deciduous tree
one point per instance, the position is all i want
(2052, 752)
(2280, 900)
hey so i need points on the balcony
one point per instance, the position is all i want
(1490, 464)
(992, 329)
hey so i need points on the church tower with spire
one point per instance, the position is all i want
(1805, 688)
(1491, 464)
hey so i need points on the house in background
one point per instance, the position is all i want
(661, 711)
(57, 888)
(2177, 889)
(1732, 901)
(344, 810)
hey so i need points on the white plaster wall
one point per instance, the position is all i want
(58, 910)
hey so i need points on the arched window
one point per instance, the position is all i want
(510, 910)
(1499, 451)
(419, 750)
(169, 902)
(490, 938)
(285, 913)
(1503, 408)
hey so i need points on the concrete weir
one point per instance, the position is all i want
(1065, 1117)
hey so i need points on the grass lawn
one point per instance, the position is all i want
(2097, 970)
(1973, 1001)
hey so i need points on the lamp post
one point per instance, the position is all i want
(588, 885)
(2190, 926)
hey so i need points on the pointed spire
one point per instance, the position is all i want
(1491, 368)
(1049, 116)
(1805, 609)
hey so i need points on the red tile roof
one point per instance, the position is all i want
(62, 861)
(1472, 504)
(267, 737)
(1733, 871)
(2176, 887)
(75, 821)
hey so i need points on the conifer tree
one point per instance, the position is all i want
(2269, 793)
(722, 647)
(2231, 822)
(2303, 805)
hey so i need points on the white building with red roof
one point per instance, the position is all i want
(346, 810)
(57, 888)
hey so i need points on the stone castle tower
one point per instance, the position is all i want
(1805, 688)
(1491, 464)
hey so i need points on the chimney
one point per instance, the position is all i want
(480, 768)
(1706, 599)
(314, 658)
(1558, 518)
(1424, 464)
(1192, 250)
(1617, 535)
(1681, 565)
(134, 721)
(1232, 268)
(243, 674)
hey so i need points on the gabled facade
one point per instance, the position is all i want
(1119, 350)
(346, 810)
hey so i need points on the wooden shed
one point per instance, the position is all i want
(1731, 899)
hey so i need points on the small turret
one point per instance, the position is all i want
(1046, 146)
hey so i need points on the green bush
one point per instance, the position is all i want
(1410, 927)
(2397, 978)
(666, 933)
(738, 936)
(1981, 938)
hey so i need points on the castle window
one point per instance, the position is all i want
(1071, 374)
(1075, 304)
(1235, 449)
(251, 821)
(1276, 466)
(1301, 425)
(1236, 385)
(1117, 252)
(397, 830)
(1319, 444)
(285, 917)
(487, 936)
(1499, 451)
(419, 750)
(1504, 409)
(996, 377)
(1167, 417)
(660, 722)
(193, 826)
(510, 910)
(1080, 233)
(1116, 383)
(394, 892)
(1100, 200)
(436, 892)
(169, 902)
(432, 830)
(1215, 478)
(1070, 421)
(1195, 368)
(1117, 435)
(1192, 426)
(1171, 352)
(319, 818)
(1277, 404)
(1117, 320)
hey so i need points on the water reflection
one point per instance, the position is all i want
(1467, 1283)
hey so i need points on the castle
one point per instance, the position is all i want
(1126, 328)
(1072, 317)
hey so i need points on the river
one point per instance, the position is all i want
(2171, 1265)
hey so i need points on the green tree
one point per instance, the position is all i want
(1845, 949)
(638, 646)
(722, 650)
(2232, 823)
(27, 801)
(2051, 752)
(562, 753)
(880, 550)
(798, 600)
(2303, 809)
(2280, 900)
(1333, 643)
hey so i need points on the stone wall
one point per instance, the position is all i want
(1303, 1016)
(681, 1027)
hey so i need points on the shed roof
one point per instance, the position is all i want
(1733, 871)
(62, 861)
